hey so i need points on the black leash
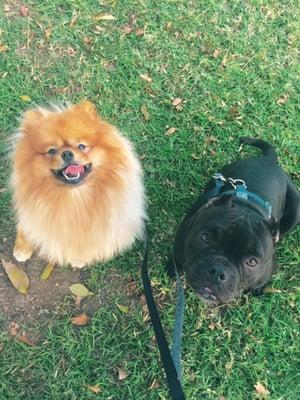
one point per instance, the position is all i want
(173, 379)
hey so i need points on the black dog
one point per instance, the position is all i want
(226, 242)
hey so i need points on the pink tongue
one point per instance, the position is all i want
(73, 169)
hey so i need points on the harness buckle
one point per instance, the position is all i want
(237, 182)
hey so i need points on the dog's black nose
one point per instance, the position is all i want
(218, 272)
(67, 155)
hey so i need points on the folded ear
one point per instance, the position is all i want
(87, 107)
(221, 200)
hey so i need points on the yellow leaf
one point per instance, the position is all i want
(103, 17)
(124, 309)
(47, 272)
(145, 112)
(25, 98)
(3, 48)
(17, 276)
(80, 290)
(95, 389)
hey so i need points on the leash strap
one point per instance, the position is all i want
(175, 388)
(178, 327)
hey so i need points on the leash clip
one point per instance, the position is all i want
(237, 182)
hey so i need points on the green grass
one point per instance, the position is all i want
(230, 62)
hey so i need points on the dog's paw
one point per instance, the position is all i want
(22, 255)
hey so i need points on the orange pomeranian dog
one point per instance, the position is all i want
(78, 187)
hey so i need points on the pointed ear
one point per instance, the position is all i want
(87, 107)
(274, 226)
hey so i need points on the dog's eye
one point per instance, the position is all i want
(205, 237)
(52, 151)
(81, 146)
(251, 262)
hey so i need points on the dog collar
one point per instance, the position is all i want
(239, 190)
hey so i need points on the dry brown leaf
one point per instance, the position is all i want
(81, 320)
(122, 374)
(24, 339)
(95, 389)
(177, 101)
(170, 131)
(13, 328)
(145, 112)
(146, 77)
(142, 157)
(103, 17)
(73, 19)
(140, 32)
(261, 389)
(3, 48)
(127, 29)
(212, 326)
(17, 276)
(24, 10)
(1, 347)
(47, 272)
(282, 100)
(154, 385)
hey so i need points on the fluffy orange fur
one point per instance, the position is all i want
(75, 224)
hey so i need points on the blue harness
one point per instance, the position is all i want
(239, 190)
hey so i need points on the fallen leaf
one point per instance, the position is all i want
(25, 98)
(13, 328)
(216, 53)
(142, 157)
(47, 272)
(127, 29)
(81, 320)
(154, 385)
(145, 112)
(3, 48)
(282, 100)
(177, 101)
(48, 33)
(1, 347)
(261, 389)
(24, 339)
(170, 131)
(73, 19)
(146, 77)
(17, 276)
(103, 17)
(80, 290)
(122, 308)
(95, 389)
(24, 10)
(212, 326)
(122, 374)
(271, 290)
(140, 32)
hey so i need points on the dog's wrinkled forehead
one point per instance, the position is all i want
(240, 233)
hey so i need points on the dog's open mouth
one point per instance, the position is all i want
(72, 173)
(207, 295)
